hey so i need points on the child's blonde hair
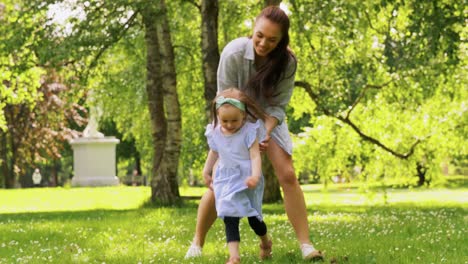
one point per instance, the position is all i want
(251, 108)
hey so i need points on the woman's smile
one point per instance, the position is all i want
(266, 37)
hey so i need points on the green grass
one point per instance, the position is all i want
(112, 225)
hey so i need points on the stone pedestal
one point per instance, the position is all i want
(94, 161)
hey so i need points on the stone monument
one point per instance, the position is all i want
(94, 157)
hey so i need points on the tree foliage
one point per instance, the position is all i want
(382, 69)
(38, 106)
(381, 85)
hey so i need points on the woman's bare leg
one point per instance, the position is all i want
(294, 202)
(206, 216)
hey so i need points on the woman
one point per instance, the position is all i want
(264, 68)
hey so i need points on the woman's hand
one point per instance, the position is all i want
(270, 123)
(264, 143)
(252, 182)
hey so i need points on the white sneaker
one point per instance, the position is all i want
(194, 251)
(310, 253)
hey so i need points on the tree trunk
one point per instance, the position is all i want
(210, 50)
(12, 179)
(170, 160)
(138, 163)
(54, 173)
(272, 191)
(10, 143)
(4, 160)
(159, 184)
(421, 173)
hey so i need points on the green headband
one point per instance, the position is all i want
(223, 100)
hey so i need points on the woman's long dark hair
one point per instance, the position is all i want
(274, 69)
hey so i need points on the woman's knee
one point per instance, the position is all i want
(287, 177)
(208, 198)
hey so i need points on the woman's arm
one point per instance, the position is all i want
(208, 168)
(276, 111)
(256, 160)
(270, 123)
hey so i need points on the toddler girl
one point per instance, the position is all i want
(237, 182)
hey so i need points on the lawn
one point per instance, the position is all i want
(113, 225)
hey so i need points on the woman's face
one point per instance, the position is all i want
(266, 36)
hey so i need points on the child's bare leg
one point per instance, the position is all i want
(260, 228)
(233, 238)
(264, 239)
(233, 251)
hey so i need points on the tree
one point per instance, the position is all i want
(105, 24)
(38, 107)
(210, 49)
(164, 185)
(210, 58)
(381, 85)
(121, 72)
(162, 100)
(376, 75)
(272, 191)
(18, 75)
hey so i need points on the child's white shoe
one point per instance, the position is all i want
(310, 253)
(194, 251)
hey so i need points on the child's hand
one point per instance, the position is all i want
(252, 182)
(208, 180)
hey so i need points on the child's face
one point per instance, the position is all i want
(230, 118)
